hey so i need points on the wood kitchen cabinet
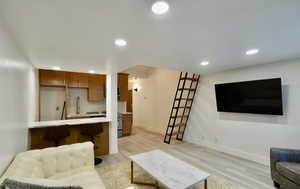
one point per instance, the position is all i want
(123, 86)
(95, 83)
(129, 101)
(126, 124)
(37, 140)
(96, 87)
(51, 78)
(77, 80)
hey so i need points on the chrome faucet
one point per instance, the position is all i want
(78, 105)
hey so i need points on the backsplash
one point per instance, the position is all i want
(121, 106)
(52, 101)
(85, 105)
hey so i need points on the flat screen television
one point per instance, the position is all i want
(258, 97)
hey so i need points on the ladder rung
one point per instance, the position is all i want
(189, 99)
(188, 78)
(181, 107)
(179, 124)
(174, 133)
(187, 89)
(179, 116)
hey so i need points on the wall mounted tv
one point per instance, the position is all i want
(258, 97)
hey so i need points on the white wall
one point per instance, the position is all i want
(17, 98)
(153, 101)
(247, 135)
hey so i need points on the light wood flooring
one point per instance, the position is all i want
(246, 174)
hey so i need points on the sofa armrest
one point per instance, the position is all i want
(87, 152)
(283, 155)
(286, 155)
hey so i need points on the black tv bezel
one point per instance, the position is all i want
(246, 112)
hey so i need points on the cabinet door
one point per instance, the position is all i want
(52, 78)
(123, 86)
(126, 124)
(129, 101)
(71, 80)
(96, 87)
(77, 80)
(83, 80)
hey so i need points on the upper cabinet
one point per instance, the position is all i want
(52, 78)
(77, 80)
(96, 85)
(123, 86)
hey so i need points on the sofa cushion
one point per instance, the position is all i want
(289, 170)
(48, 162)
(71, 163)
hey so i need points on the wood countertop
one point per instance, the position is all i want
(55, 123)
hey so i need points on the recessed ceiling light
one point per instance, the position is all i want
(92, 71)
(160, 7)
(56, 68)
(204, 63)
(120, 42)
(252, 51)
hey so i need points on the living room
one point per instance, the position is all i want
(183, 59)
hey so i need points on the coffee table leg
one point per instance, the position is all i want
(157, 184)
(205, 184)
(139, 182)
(131, 172)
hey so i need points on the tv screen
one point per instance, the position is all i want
(258, 97)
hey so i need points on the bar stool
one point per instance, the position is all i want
(56, 134)
(91, 131)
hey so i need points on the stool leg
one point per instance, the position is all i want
(97, 160)
(56, 143)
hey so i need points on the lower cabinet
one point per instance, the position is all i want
(37, 140)
(126, 124)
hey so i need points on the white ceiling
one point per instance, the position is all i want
(139, 71)
(78, 35)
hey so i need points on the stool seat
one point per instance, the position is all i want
(92, 130)
(56, 134)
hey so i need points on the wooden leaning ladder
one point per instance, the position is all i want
(182, 105)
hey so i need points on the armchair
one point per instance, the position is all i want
(285, 168)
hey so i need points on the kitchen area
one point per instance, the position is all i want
(72, 108)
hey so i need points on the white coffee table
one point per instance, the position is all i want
(168, 170)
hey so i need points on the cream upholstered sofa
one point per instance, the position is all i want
(64, 165)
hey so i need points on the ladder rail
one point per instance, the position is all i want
(189, 111)
(176, 114)
(169, 135)
(185, 105)
(172, 108)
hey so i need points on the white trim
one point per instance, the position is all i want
(235, 152)
(112, 111)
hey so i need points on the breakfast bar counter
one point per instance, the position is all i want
(40, 124)
(39, 132)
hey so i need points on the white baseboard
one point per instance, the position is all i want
(235, 152)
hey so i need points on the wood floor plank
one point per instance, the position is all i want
(245, 173)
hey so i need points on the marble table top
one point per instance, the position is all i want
(168, 170)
